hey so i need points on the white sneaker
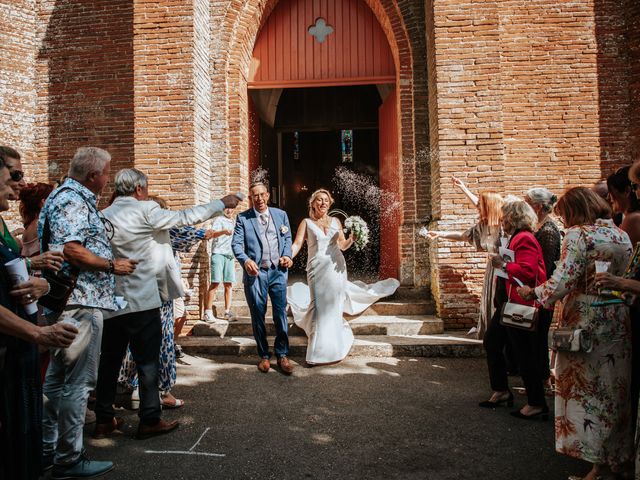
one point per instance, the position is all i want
(229, 317)
(208, 316)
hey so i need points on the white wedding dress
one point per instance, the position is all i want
(318, 307)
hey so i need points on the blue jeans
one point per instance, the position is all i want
(271, 282)
(71, 375)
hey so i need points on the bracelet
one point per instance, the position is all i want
(112, 267)
(48, 289)
(28, 262)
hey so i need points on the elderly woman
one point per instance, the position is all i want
(548, 235)
(485, 237)
(527, 267)
(592, 387)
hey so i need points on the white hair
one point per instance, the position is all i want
(127, 180)
(88, 160)
(543, 197)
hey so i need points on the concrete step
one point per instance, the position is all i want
(363, 325)
(381, 307)
(452, 344)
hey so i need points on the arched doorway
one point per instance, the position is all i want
(323, 113)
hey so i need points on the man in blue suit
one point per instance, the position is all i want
(262, 244)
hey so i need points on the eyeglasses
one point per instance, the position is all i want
(16, 175)
(634, 186)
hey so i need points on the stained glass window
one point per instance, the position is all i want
(296, 146)
(347, 146)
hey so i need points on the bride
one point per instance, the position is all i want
(318, 307)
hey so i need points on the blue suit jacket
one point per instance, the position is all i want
(246, 243)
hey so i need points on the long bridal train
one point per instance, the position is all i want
(318, 307)
(330, 340)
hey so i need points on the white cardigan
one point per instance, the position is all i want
(141, 232)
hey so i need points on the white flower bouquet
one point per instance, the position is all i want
(359, 229)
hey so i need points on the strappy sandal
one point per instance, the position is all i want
(177, 403)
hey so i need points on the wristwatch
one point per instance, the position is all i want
(112, 267)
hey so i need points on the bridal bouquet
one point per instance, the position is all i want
(359, 230)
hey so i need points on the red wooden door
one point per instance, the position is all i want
(390, 204)
(307, 43)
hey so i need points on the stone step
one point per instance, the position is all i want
(381, 307)
(363, 325)
(448, 344)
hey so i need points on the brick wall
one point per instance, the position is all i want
(84, 81)
(17, 79)
(632, 13)
(527, 93)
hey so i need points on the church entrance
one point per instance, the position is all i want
(323, 113)
(327, 138)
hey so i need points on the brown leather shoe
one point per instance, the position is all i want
(160, 428)
(285, 365)
(104, 430)
(264, 365)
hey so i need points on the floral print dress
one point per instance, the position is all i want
(592, 417)
(182, 240)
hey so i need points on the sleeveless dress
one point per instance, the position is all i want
(318, 307)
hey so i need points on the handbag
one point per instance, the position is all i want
(516, 315)
(524, 317)
(570, 340)
(61, 286)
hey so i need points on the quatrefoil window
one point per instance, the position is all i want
(320, 30)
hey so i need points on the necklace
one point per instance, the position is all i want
(323, 222)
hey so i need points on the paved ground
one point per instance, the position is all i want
(366, 418)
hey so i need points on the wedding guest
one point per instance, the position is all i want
(601, 189)
(141, 231)
(32, 198)
(21, 392)
(182, 240)
(549, 237)
(222, 265)
(592, 386)
(624, 202)
(527, 267)
(485, 237)
(50, 260)
(622, 193)
(71, 217)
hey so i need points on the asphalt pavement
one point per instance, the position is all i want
(365, 418)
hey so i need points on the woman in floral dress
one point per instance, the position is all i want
(592, 419)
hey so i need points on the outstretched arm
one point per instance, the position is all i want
(460, 184)
(301, 236)
(457, 236)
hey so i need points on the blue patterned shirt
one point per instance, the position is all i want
(73, 217)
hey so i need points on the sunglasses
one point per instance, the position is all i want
(16, 175)
(634, 186)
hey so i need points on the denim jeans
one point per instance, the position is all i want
(71, 375)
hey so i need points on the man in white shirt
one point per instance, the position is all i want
(141, 231)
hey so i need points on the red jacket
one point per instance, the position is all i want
(528, 266)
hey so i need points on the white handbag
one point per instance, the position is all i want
(524, 317)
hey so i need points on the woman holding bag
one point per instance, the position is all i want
(592, 387)
(527, 267)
